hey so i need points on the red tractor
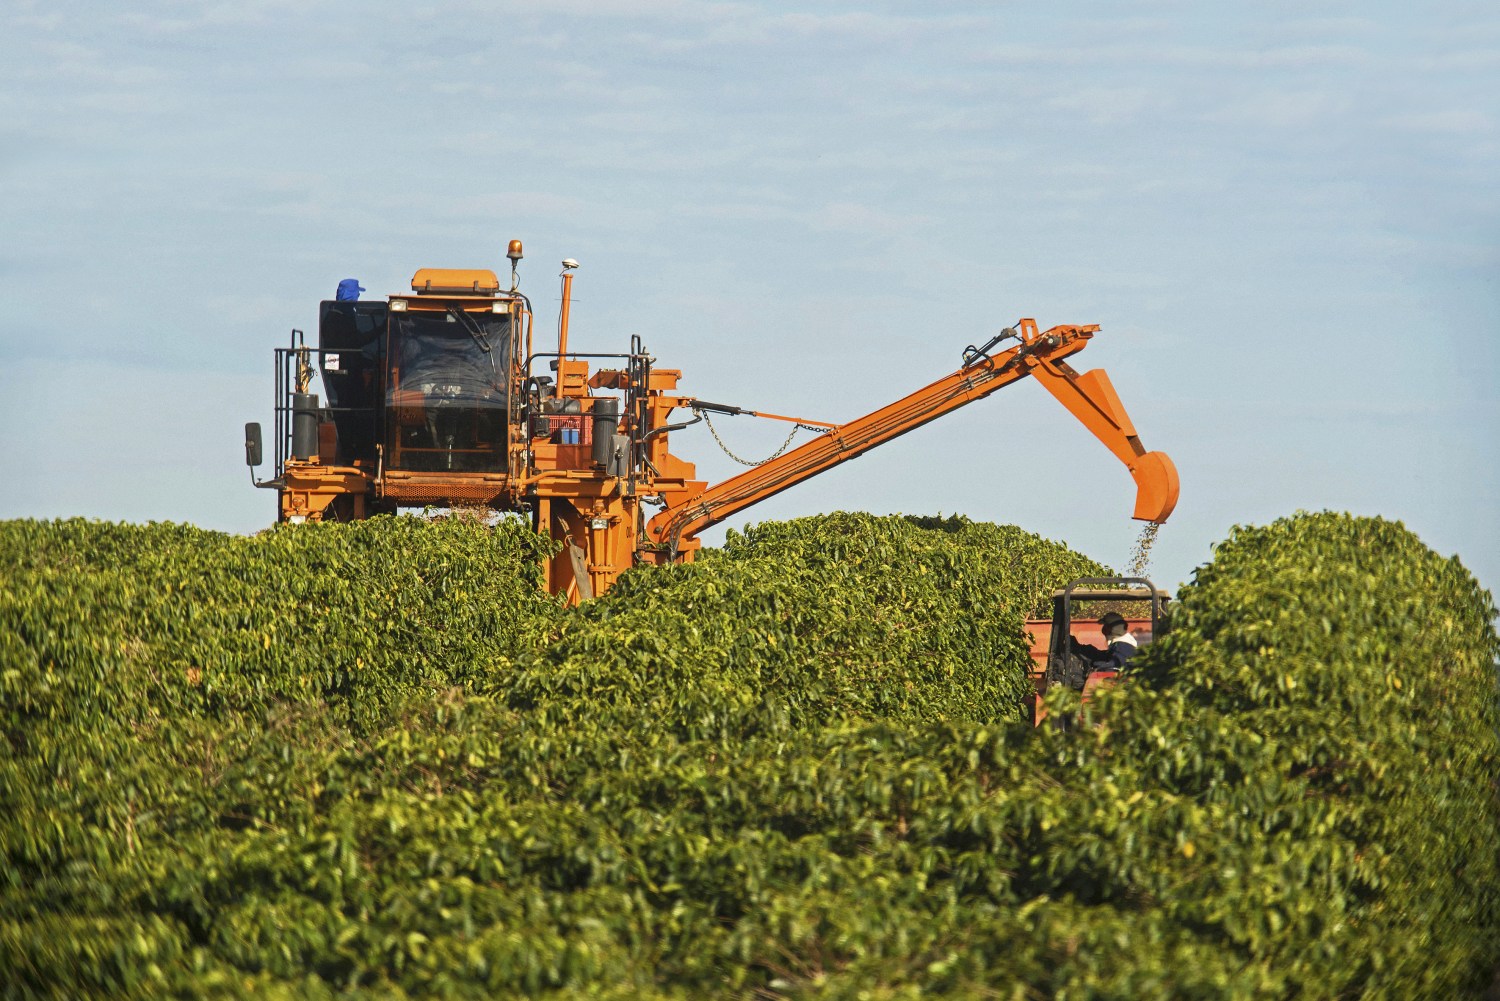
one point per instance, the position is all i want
(1063, 648)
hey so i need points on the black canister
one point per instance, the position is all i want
(305, 419)
(606, 414)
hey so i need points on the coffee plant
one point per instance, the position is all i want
(375, 760)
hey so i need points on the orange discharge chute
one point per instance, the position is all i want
(1091, 397)
(1088, 396)
(1155, 486)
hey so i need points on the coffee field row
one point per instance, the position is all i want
(377, 761)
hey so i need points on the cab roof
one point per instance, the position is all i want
(455, 281)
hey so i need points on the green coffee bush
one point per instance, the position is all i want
(781, 771)
(1341, 678)
(800, 624)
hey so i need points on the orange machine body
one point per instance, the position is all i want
(440, 398)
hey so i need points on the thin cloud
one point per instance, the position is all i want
(857, 218)
(1452, 121)
(1147, 54)
(1107, 105)
(1284, 109)
(191, 17)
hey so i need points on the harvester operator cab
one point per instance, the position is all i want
(422, 382)
(1073, 648)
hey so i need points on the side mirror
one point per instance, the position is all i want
(252, 445)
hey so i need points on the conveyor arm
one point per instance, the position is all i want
(1089, 397)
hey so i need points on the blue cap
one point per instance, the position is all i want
(349, 290)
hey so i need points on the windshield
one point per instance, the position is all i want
(460, 357)
(446, 394)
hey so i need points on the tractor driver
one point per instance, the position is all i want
(1119, 644)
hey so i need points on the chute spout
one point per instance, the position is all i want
(1155, 486)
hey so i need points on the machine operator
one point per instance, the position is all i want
(1119, 644)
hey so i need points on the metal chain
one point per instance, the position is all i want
(746, 462)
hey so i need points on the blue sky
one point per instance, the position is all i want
(1285, 217)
